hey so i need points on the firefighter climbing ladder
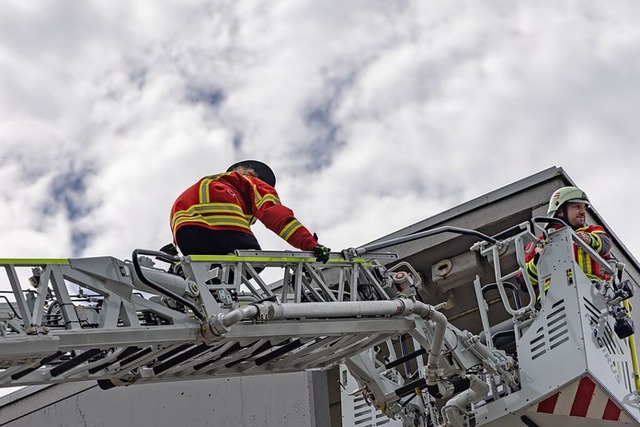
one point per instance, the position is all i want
(122, 322)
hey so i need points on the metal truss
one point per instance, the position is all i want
(120, 322)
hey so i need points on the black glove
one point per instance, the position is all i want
(321, 253)
(170, 249)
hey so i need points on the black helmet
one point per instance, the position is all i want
(263, 171)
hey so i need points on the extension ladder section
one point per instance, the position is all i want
(120, 322)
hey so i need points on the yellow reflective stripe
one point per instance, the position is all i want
(236, 258)
(580, 258)
(532, 271)
(256, 195)
(209, 209)
(213, 208)
(584, 261)
(291, 228)
(268, 198)
(588, 264)
(33, 261)
(218, 220)
(596, 242)
(204, 190)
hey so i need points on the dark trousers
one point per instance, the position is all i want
(194, 240)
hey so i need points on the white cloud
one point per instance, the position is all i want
(374, 115)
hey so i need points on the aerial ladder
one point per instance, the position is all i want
(162, 317)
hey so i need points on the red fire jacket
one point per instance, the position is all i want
(231, 201)
(600, 242)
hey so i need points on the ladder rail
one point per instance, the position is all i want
(96, 318)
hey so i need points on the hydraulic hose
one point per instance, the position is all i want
(170, 258)
(355, 252)
(548, 220)
(509, 231)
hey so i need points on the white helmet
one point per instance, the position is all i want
(564, 195)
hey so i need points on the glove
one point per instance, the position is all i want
(170, 249)
(321, 253)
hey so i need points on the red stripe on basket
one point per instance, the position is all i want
(611, 411)
(583, 398)
(549, 404)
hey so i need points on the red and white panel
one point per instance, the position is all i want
(582, 399)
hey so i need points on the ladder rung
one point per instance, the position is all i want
(279, 352)
(78, 360)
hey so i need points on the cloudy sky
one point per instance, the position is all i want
(374, 114)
